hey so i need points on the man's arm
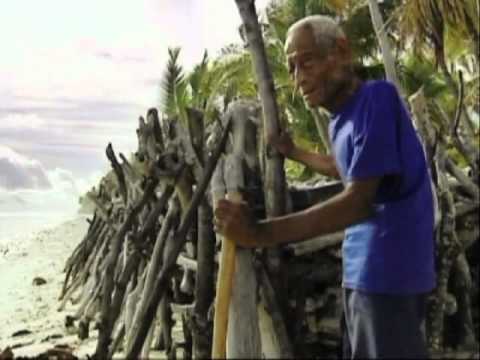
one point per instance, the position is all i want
(352, 205)
(323, 164)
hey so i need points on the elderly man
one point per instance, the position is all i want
(386, 206)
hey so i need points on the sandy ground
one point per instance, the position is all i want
(32, 309)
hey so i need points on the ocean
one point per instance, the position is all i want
(18, 225)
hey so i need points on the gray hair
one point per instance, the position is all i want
(325, 30)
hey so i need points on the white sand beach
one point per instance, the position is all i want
(31, 309)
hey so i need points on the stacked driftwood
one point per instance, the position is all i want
(453, 311)
(151, 250)
(151, 256)
(124, 274)
(150, 247)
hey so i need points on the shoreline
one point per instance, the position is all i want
(30, 310)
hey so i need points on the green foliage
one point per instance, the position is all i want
(361, 34)
(215, 82)
(210, 86)
(293, 170)
(425, 24)
(172, 84)
(415, 72)
(458, 158)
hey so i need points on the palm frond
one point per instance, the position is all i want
(415, 72)
(196, 78)
(171, 83)
(424, 23)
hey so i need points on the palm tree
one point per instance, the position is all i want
(173, 95)
(426, 23)
(385, 47)
(209, 87)
(442, 26)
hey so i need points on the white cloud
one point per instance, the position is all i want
(75, 75)
(25, 186)
(220, 20)
(21, 121)
(63, 180)
(14, 157)
(20, 172)
(72, 143)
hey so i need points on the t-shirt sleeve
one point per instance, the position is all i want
(375, 135)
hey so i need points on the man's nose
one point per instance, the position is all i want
(299, 78)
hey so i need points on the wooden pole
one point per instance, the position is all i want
(387, 54)
(274, 179)
(224, 291)
(243, 334)
(236, 331)
(274, 173)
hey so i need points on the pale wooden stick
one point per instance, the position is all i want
(226, 271)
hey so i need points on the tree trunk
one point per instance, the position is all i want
(236, 302)
(204, 284)
(274, 177)
(388, 60)
(243, 336)
(275, 174)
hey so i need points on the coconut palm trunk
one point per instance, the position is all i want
(274, 173)
(274, 177)
(388, 59)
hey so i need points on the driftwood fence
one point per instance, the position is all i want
(150, 251)
(148, 264)
(150, 254)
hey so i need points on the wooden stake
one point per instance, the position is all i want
(224, 291)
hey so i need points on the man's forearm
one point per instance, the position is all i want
(328, 217)
(323, 164)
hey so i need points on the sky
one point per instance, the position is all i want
(76, 75)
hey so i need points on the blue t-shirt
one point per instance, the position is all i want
(392, 251)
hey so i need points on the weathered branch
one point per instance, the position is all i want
(274, 176)
(269, 305)
(458, 111)
(153, 269)
(180, 239)
(316, 244)
(103, 212)
(107, 320)
(463, 179)
(387, 53)
(204, 282)
(117, 168)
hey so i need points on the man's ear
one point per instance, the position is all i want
(343, 48)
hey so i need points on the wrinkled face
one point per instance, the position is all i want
(318, 73)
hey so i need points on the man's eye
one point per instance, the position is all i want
(308, 64)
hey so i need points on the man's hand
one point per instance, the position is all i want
(235, 221)
(284, 144)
